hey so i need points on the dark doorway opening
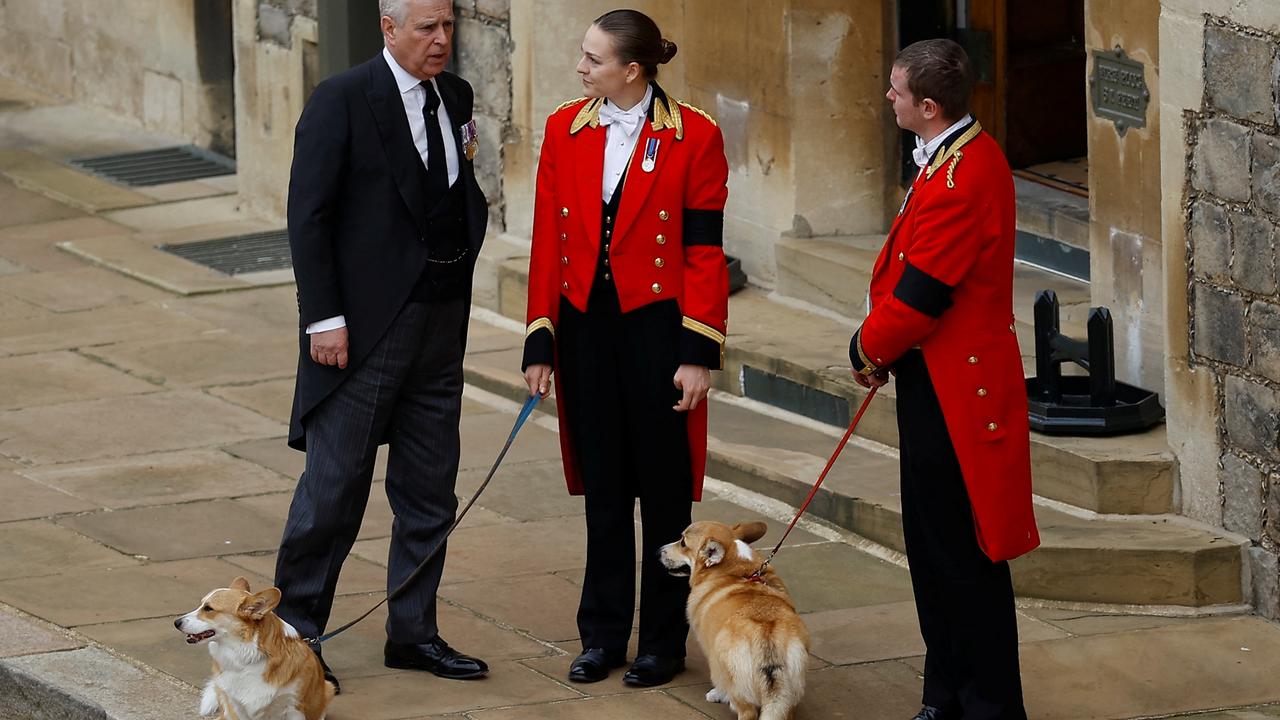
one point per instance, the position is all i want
(215, 63)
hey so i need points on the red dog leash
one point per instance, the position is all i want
(756, 576)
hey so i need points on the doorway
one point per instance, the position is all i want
(1030, 61)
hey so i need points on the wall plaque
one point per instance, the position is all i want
(1119, 90)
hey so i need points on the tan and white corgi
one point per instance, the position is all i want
(262, 669)
(756, 645)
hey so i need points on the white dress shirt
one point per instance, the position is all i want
(925, 150)
(414, 96)
(623, 131)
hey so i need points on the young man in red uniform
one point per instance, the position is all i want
(941, 321)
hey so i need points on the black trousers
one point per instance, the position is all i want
(964, 601)
(408, 393)
(616, 371)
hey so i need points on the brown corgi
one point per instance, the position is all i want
(262, 669)
(756, 645)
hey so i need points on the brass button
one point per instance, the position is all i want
(982, 392)
(658, 262)
(662, 239)
(564, 236)
(606, 261)
(564, 260)
(565, 284)
(902, 256)
(606, 276)
(657, 288)
(564, 212)
(608, 219)
(991, 427)
(662, 215)
(1011, 329)
(606, 247)
(607, 233)
(973, 359)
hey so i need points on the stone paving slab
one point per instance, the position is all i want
(159, 479)
(55, 377)
(79, 289)
(90, 680)
(543, 605)
(35, 246)
(66, 184)
(407, 695)
(161, 217)
(272, 398)
(20, 635)
(358, 577)
(13, 308)
(189, 530)
(375, 524)
(26, 499)
(38, 548)
(216, 358)
(94, 327)
(130, 425)
(187, 190)
(621, 707)
(1153, 672)
(23, 207)
(833, 575)
(138, 258)
(153, 590)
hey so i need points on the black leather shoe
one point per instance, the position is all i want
(328, 674)
(929, 712)
(594, 664)
(435, 657)
(650, 670)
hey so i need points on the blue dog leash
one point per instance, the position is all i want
(525, 412)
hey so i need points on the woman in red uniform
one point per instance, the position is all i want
(628, 302)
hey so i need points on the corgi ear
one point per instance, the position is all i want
(257, 606)
(712, 553)
(240, 584)
(750, 532)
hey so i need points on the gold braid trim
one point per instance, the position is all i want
(951, 170)
(703, 329)
(567, 103)
(947, 153)
(868, 367)
(588, 115)
(539, 324)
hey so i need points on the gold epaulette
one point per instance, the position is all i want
(700, 111)
(588, 115)
(567, 103)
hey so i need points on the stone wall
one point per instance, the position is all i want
(796, 85)
(1224, 363)
(277, 66)
(164, 64)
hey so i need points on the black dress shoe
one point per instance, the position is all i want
(435, 657)
(650, 670)
(929, 712)
(594, 664)
(328, 674)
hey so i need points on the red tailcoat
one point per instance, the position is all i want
(666, 239)
(944, 283)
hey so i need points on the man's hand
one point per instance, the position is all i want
(879, 378)
(538, 377)
(694, 381)
(330, 347)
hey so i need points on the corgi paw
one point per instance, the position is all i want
(716, 695)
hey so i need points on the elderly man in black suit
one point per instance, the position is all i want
(385, 223)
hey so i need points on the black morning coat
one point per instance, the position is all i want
(359, 225)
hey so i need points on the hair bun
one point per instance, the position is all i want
(669, 50)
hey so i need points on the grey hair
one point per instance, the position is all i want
(394, 9)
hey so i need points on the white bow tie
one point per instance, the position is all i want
(628, 120)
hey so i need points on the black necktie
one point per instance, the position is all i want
(437, 169)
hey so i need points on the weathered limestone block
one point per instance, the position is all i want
(1253, 266)
(1238, 73)
(484, 59)
(1211, 242)
(1253, 417)
(1221, 156)
(274, 25)
(1264, 331)
(1266, 172)
(1242, 491)
(1265, 570)
(1219, 331)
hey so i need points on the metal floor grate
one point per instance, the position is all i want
(238, 254)
(156, 167)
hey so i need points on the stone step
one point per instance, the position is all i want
(1150, 561)
(833, 273)
(805, 369)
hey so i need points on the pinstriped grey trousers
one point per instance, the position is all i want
(407, 393)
